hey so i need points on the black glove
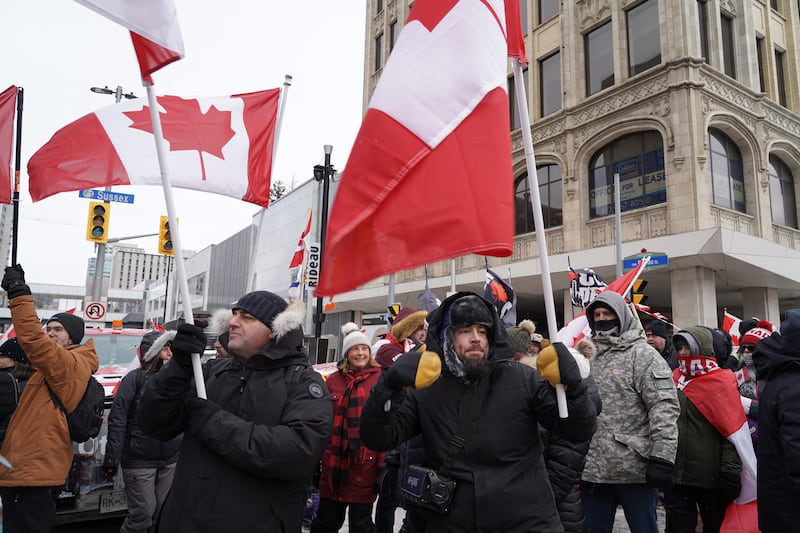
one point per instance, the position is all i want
(188, 340)
(200, 411)
(109, 472)
(556, 364)
(730, 485)
(413, 369)
(659, 473)
(14, 282)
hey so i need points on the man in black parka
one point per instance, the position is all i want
(249, 451)
(501, 480)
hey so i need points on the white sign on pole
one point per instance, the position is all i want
(95, 311)
(312, 272)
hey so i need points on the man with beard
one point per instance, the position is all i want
(495, 456)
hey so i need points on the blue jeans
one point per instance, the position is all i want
(639, 502)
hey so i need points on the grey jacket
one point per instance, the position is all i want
(640, 403)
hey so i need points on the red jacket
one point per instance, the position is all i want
(349, 475)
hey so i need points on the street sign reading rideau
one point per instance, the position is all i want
(106, 196)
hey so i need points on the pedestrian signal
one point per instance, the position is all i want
(638, 292)
(97, 223)
(165, 238)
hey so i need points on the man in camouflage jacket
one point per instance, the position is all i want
(633, 451)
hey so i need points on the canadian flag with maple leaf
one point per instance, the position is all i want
(8, 109)
(221, 145)
(435, 142)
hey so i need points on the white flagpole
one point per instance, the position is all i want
(183, 285)
(536, 201)
(251, 268)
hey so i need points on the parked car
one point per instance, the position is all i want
(87, 495)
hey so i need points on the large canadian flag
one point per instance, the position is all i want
(221, 145)
(154, 29)
(8, 109)
(429, 176)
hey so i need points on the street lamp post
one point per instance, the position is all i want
(322, 173)
(100, 260)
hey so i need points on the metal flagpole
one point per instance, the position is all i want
(536, 201)
(15, 197)
(251, 268)
(180, 269)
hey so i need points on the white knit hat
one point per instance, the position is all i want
(353, 336)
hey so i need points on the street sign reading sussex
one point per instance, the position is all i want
(106, 196)
(657, 259)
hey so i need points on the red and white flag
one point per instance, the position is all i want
(429, 176)
(221, 145)
(578, 327)
(300, 251)
(730, 324)
(8, 110)
(154, 29)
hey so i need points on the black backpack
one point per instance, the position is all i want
(85, 421)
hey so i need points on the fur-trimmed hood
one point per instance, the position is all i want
(288, 320)
(401, 329)
(158, 344)
(218, 324)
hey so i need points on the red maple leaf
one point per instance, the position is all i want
(188, 128)
(430, 13)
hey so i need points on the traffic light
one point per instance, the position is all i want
(97, 222)
(638, 291)
(165, 237)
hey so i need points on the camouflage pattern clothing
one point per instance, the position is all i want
(640, 403)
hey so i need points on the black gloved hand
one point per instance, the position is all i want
(109, 472)
(413, 369)
(200, 411)
(556, 364)
(730, 485)
(659, 473)
(14, 282)
(188, 340)
(386, 482)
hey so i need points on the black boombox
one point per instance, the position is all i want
(427, 489)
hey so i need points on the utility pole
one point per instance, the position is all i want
(100, 261)
(322, 173)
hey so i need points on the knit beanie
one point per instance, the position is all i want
(522, 336)
(657, 328)
(353, 336)
(263, 305)
(762, 330)
(73, 324)
(13, 350)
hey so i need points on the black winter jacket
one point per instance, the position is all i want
(777, 360)
(127, 443)
(502, 483)
(248, 467)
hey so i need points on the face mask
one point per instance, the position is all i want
(606, 328)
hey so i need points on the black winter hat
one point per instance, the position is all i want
(470, 309)
(747, 325)
(147, 341)
(657, 328)
(13, 350)
(73, 324)
(263, 305)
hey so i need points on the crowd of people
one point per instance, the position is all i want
(450, 415)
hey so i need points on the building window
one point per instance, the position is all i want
(781, 193)
(523, 16)
(550, 83)
(727, 176)
(773, 4)
(393, 33)
(644, 41)
(378, 52)
(378, 6)
(702, 16)
(599, 59)
(638, 158)
(548, 9)
(512, 98)
(780, 74)
(728, 50)
(760, 59)
(549, 178)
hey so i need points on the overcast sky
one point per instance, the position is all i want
(57, 49)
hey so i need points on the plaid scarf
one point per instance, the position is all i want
(345, 440)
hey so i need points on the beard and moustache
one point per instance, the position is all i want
(462, 367)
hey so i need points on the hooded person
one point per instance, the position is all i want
(747, 343)
(250, 450)
(148, 464)
(469, 368)
(408, 330)
(349, 469)
(707, 473)
(632, 453)
(777, 361)
(658, 338)
(218, 326)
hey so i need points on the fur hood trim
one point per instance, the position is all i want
(401, 330)
(218, 324)
(289, 319)
(159, 343)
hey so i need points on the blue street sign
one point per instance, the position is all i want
(106, 196)
(655, 261)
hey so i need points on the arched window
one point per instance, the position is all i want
(781, 193)
(727, 176)
(638, 158)
(549, 178)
